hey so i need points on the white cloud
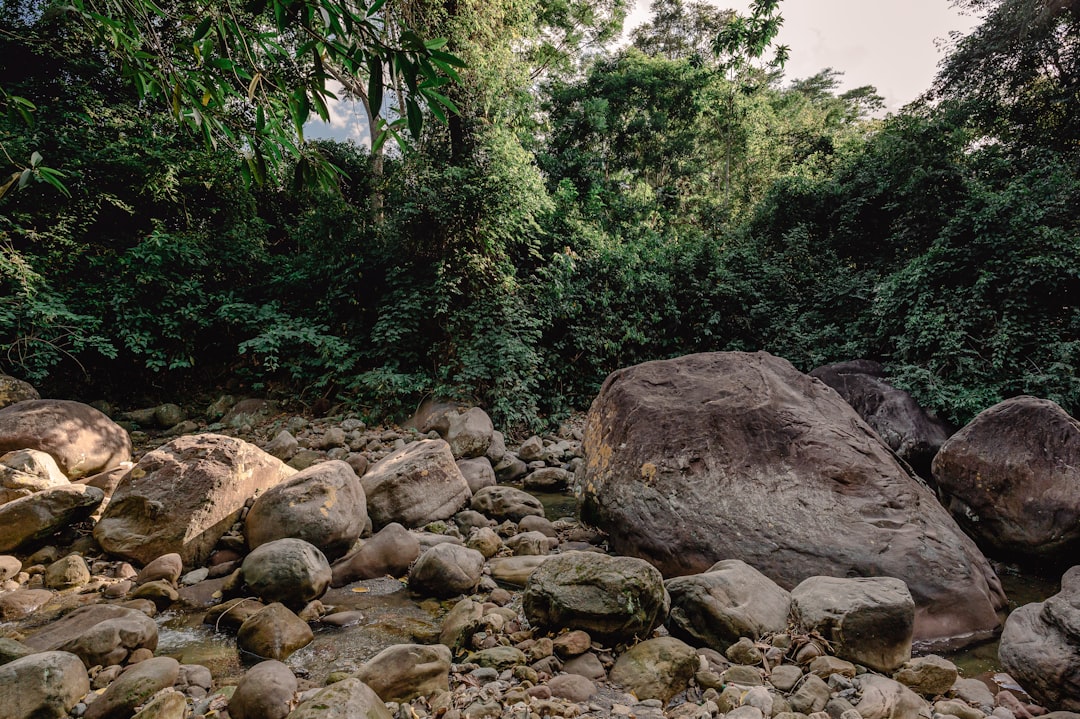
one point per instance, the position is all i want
(347, 121)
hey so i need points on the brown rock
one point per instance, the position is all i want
(390, 551)
(265, 692)
(44, 513)
(415, 485)
(14, 390)
(1012, 478)
(102, 634)
(22, 603)
(133, 687)
(274, 632)
(25, 471)
(81, 439)
(347, 699)
(183, 496)
(694, 460)
(402, 672)
(42, 686)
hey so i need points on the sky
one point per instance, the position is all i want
(891, 44)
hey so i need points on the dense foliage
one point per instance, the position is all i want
(588, 208)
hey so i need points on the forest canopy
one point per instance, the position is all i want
(558, 205)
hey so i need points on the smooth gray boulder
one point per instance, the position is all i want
(446, 570)
(347, 699)
(290, 571)
(265, 692)
(502, 503)
(656, 668)
(46, 685)
(415, 485)
(403, 672)
(611, 598)
(731, 600)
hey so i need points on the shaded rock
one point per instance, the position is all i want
(159, 591)
(614, 598)
(656, 669)
(168, 415)
(402, 672)
(884, 698)
(273, 632)
(573, 687)
(730, 601)
(390, 551)
(9, 567)
(868, 621)
(166, 704)
(1011, 477)
(509, 468)
(497, 449)
(167, 567)
(265, 692)
(486, 541)
(81, 439)
(478, 473)
(283, 446)
(907, 428)
(183, 496)
(572, 644)
(499, 658)
(446, 570)
(692, 460)
(14, 390)
(347, 699)
(531, 543)
(323, 505)
(25, 471)
(42, 686)
(22, 603)
(459, 626)
(587, 665)
(137, 684)
(231, 614)
(102, 634)
(533, 523)
(67, 572)
(929, 676)
(248, 413)
(502, 503)
(468, 433)
(10, 650)
(515, 571)
(548, 479)
(106, 481)
(811, 696)
(290, 571)
(1040, 646)
(44, 513)
(415, 485)
(531, 450)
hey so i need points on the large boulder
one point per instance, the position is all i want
(46, 685)
(731, 455)
(1012, 478)
(868, 620)
(468, 433)
(323, 504)
(265, 692)
(730, 601)
(134, 687)
(14, 390)
(1040, 646)
(415, 485)
(290, 571)
(908, 429)
(502, 503)
(402, 672)
(183, 496)
(81, 439)
(347, 699)
(445, 570)
(656, 668)
(273, 632)
(25, 471)
(102, 634)
(390, 551)
(44, 513)
(612, 598)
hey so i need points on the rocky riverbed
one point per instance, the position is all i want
(249, 563)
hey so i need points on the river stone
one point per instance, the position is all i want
(290, 571)
(14, 390)
(461, 623)
(273, 632)
(478, 473)
(548, 479)
(20, 603)
(403, 672)
(81, 439)
(10, 650)
(415, 485)
(499, 658)
(868, 621)
(67, 572)
(884, 698)
(283, 446)
(911, 432)
(729, 601)
(249, 413)
(656, 668)
(25, 471)
(9, 567)
(446, 570)
(103, 634)
(531, 544)
(611, 598)
(468, 433)
(45, 685)
(183, 497)
(693, 460)
(510, 468)
(347, 699)
(138, 683)
(1011, 477)
(502, 503)
(166, 704)
(167, 567)
(265, 692)
(515, 571)
(323, 504)
(573, 687)
(929, 676)
(1040, 646)
(44, 513)
(390, 551)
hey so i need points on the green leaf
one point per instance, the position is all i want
(24, 177)
(375, 85)
(35, 159)
(202, 29)
(416, 117)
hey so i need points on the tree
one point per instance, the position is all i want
(248, 77)
(682, 30)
